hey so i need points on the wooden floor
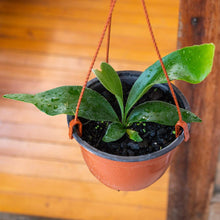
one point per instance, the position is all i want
(45, 44)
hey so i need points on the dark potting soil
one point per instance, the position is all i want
(155, 136)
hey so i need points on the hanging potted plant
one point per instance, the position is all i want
(128, 137)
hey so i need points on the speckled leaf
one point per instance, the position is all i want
(190, 64)
(63, 100)
(133, 135)
(114, 132)
(160, 112)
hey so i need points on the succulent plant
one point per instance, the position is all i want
(190, 64)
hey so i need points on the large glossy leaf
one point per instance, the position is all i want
(160, 112)
(190, 64)
(63, 100)
(114, 132)
(111, 81)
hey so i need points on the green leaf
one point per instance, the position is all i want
(114, 132)
(190, 64)
(63, 100)
(160, 112)
(111, 81)
(133, 135)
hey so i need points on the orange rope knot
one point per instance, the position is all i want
(184, 126)
(72, 124)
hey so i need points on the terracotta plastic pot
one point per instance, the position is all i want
(129, 173)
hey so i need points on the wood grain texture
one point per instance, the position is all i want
(45, 44)
(67, 208)
(193, 172)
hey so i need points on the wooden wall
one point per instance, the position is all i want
(45, 44)
(195, 162)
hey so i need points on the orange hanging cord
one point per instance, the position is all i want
(108, 37)
(76, 121)
(180, 123)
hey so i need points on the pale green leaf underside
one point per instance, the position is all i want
(63, 100)
(190, 64)
(160, 112)
(114, 132)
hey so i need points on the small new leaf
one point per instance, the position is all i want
(133, 135)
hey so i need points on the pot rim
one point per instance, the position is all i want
(139, 158)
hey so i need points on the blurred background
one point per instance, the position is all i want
(46, 44)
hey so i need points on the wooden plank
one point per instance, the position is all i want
(193, 171)
(26, 74)
(67, 208)
(70, 77)
(48, 62)
(73, 37)
(85, 3)
(29, 115)
(84, 50)
(40, 150)
(39, 133)
(48, 169)
(32, 87)
(85, 13)
(82, 26)
(87, 191)
(85, 10)
(45, 168)
(44, 61)
(8, 81)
